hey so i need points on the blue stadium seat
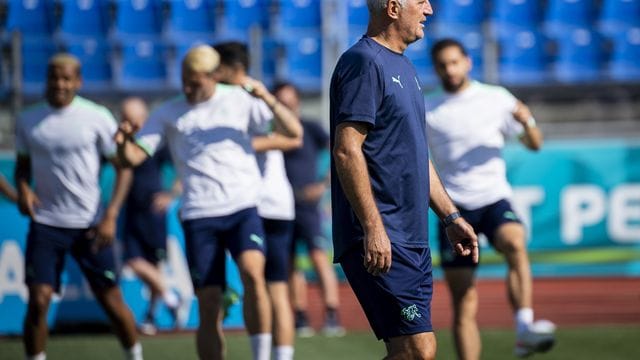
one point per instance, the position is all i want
(303, 61)
(625, 64)
(357, 13)
(31, 17)
(137, 18)
(190, 18)
(564, 15)
(420, 56)
(238, 17)
(509, 16)
(298, 14)
(141, 66)
(35, 57)
(94, 55)
(618, 15)
(459, 12)
(580, 57)
(473, 40)
(523, 58)
(84, 18)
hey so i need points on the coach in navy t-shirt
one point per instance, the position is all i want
(383, 181)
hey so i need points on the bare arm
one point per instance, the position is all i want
(8, 190)
(129, 153)
(352, 171)
(286, 121)
(459, 232)
(275, 141)
(27, 199)
(106, 229)
(532, 137)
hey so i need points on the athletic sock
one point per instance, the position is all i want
(171, 299)
(39, 356)
(283, 352)
(134, 352)
(331, 315)
(523, 318)
(261, 346)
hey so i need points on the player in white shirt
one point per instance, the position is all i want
(276, 205)
(467, 125)
(59, 145)
(208, 131)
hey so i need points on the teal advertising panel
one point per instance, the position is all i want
(580, 202)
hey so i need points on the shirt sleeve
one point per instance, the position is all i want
(510, 127)
(261, 118)
(152, 135)
(357, 90)
(108, 127)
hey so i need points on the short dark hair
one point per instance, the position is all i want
(446, 43)
(233, 53)
(285, 84)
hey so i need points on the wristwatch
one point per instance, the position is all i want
(449, 219)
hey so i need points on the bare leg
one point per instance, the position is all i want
(298, 290)
(510, 241)
(257, 308)
(149, 274)
(283, 332)
(464, 298)
(118, 312)
(35, 331)
(420, 346)
(327, 277)
(209, 337)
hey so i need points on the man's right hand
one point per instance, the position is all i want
(27, 202)
(126, 130)
(463, 239)
(377, 252)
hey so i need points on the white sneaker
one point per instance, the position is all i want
(305, 331)
(538, 337)
(147, 327)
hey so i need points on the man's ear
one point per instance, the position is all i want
(393, 9)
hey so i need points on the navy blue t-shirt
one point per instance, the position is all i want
(302, 163)
(147, 180)
(377, 86)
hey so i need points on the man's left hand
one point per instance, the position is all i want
(463, 239)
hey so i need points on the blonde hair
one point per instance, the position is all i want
(64, 59)
(201, 59)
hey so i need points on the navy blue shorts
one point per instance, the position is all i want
(308, 229)
(485, 220)
(45, 256)
(144, 234)
(278, 235)
(206, 240)
(396, 303)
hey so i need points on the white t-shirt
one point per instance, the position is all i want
(210, 143)
(466, 134)
(65, 147)
(276, 195)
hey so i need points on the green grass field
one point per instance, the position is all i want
(611, 343)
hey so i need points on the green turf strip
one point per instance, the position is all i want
(602, 342)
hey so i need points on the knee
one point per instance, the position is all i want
(421, 353)
(514, 246)
(39, 303)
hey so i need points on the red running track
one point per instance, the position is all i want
(565, 301)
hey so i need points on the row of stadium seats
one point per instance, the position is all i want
(135, 44)
(149, 18)
(528, 57)
(143, 64)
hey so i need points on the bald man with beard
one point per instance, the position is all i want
(144, 221)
